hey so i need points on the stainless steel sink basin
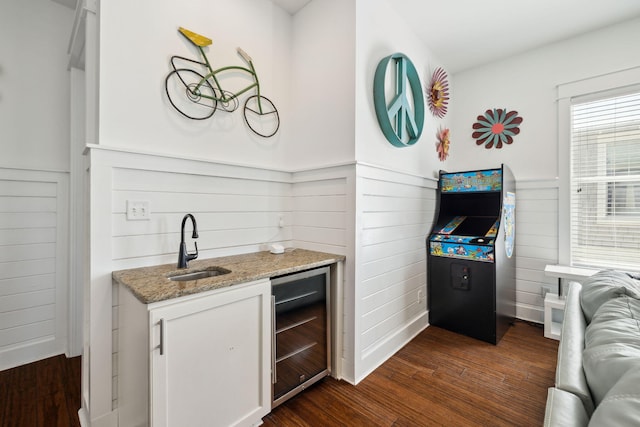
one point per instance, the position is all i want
(201, 274)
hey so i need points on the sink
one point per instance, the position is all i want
(199, 274)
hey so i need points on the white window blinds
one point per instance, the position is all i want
(605, 182)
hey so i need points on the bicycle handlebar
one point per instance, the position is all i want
(244, 55)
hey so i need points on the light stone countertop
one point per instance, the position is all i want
(151, 284)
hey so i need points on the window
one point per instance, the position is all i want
(605, 181)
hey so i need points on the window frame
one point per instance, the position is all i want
(597, 87)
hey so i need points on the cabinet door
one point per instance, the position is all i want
(211, 359)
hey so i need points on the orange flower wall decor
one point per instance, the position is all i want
(442, 146)
(438, 93)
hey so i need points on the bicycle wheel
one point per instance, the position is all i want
(261, 116)
(190, 94)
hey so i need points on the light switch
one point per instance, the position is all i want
(138, 210)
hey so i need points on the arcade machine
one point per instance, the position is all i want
(471, 254)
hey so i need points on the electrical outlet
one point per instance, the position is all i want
(544, 290)
(420, 296)
(281, 221)
(138, 210)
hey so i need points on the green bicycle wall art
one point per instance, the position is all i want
(194, 88)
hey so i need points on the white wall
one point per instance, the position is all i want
(137, 40)
(238, 208)
(382, 32)
(528, 84)
(394, 201)
(322, 85)
(34, 180)
(34, 85)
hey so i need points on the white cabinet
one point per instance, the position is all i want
(202, 360)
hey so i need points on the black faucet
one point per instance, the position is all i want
(183, 256)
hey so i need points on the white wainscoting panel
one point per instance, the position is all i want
(33, 272)
(320, 214)
(233, 215)
(536, 245)
(395, 213)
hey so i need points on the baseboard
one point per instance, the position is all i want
(109, 419)
(387, 348)
(83, 417)
(530, 313)
(29, 353)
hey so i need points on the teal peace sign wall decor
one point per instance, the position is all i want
(400, 123)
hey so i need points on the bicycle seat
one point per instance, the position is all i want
(195, 38)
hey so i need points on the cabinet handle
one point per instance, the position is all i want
(162, 336)
(274, 374)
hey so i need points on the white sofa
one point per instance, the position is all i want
(598, 368)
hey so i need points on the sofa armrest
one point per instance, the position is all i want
(570, 375)
(564, 409)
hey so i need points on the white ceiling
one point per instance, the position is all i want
(291, 6)
(467, 33)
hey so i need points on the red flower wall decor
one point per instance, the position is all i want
(438, 93)
(497, 127)
(442, 146)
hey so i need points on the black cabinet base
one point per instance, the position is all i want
(463, 299)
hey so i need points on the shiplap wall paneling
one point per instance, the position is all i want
(33, 288)
(233, 215)
(396, 214)
(395, 223)
(536, 246)
(320, 215)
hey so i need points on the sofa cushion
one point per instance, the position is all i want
(570, 376)
(621, 406)
(617, 322)
(564, 409)
(623, 308)
(604, 286)
(612, 345)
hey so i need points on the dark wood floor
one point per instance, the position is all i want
(41, 394)
(440, 378)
